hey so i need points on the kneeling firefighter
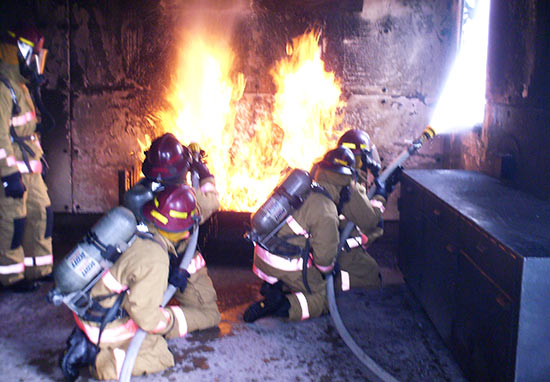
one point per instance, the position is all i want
(128, 296)
(356, 267)
(299, 246)
(167, 162)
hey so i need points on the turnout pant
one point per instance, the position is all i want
(25, 233)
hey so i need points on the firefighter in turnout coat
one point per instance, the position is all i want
(138, 279)
(26, 218)
(314, 226)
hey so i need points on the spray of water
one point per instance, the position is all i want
(461, 105)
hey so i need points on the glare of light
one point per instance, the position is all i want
(461, 105)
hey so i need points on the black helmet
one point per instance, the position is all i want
(340, 160)
(366, 155)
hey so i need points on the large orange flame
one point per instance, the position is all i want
(248, 157)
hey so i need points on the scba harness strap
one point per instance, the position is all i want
(21, 141)
(96, 312)
(281, 247)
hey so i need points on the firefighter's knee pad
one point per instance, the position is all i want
(18, 231)
(49, 222)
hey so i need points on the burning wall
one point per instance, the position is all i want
(114, 69)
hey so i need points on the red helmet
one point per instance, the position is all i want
(340, 160)
(174, 209)
(167, 160)
(30, 43)
(365, 152)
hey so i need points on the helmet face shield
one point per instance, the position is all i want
(30, 44)
(366, 155)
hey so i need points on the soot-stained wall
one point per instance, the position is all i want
(514, 143)
(108, 69)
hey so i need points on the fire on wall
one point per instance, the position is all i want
(262, 86)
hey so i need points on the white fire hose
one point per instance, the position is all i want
(376, 373)
(135, 344)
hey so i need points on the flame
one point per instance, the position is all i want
(248, 155)
(144, 146)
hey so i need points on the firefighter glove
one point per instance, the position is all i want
(13, 185)
(201, 169)
(380, 189)
(178, 278)
(393, 179)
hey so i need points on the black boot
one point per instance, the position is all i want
(80, 352)
(23, 286)
(274, 304)
(268, 289)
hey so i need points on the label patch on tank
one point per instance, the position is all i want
(81, 263)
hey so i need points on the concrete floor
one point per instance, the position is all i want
(389, 324)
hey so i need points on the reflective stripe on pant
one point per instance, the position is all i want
(198, 307)
(303, 305)
(358, 270)
(35, 249)
(153, 356)
(36, 242)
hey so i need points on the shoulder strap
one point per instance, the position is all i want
(150, 236)
(16, 109)
(343, 199)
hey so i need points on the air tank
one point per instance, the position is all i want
(86, 261)
(286, 198)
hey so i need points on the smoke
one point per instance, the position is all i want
(461, 105)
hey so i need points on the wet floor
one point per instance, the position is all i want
(389, 325)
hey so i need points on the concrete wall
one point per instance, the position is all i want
(108, 68)
(514, 143)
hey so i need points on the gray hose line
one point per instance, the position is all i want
(137, 340)
(375, 372)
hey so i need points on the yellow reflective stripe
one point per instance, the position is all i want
(160, 217)
(22, 39)
(156, 202)
(363, 146)
(178, 214)
(182, 215)
(349, 145)
(340, 161)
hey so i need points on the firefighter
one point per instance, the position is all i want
(167, 162)
(133, 288)
(26, 218)
(366, 155)
(356, 266)
(289, 291)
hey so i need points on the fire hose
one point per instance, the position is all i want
(140, 335)
(376, 373)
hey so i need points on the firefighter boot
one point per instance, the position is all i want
(274, 304)
(24, 286)
(80, 352)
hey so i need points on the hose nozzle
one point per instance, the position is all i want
(426, 135)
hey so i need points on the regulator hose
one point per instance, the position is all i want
(135, 344)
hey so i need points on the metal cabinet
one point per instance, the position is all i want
(477, 256)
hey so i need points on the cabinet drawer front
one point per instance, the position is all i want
(498, 262)
(411, 196)
(443, 216)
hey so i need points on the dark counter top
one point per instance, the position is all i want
(518, 220)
